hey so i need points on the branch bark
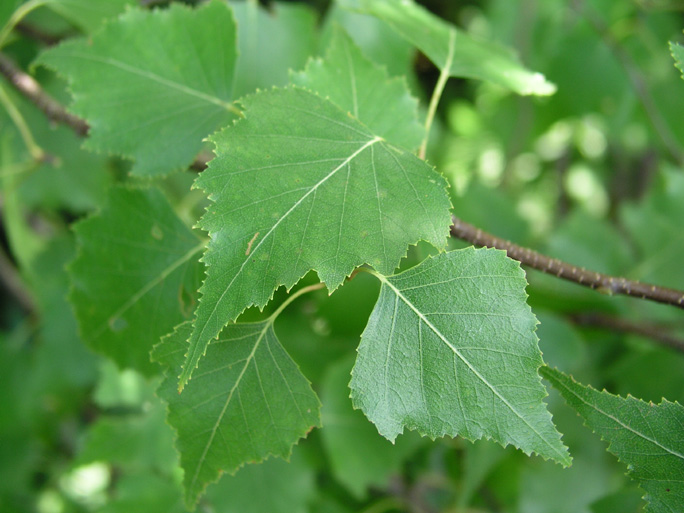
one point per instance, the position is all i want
(26, 85)
(592, 279)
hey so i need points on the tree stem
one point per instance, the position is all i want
(592, 279)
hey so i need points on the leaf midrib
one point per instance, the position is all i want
(385, 281)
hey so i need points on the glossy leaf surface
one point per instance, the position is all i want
(450, 350)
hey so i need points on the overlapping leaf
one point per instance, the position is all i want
(364, 90)
(247, 401)
(645, 436)
(89, 14)
(453, 50)
(450, 350)
(153, 84)
(134, 277)
(677, 52)
(298, 185)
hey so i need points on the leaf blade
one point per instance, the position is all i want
(216, 432)
(430, 358)
(332, 203)
(147, 102)
(644, 436)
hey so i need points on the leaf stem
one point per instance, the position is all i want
(592, 279)
(36, 151)
(19, 15)
(291, 298)
(437, 93)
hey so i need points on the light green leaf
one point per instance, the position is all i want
(89, 14)
(248, 401)
(677, 52)
(299, 185)
(359, 456)
(453, 50)
(364, 90)
(134, 275)
(644, 436)
(270, 43)
(450, 350)
(153, 84)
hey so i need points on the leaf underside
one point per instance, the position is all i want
(248, 400)
(134, 277)
(300, 185)
(450, 350)
(644, 436)
(153, 84)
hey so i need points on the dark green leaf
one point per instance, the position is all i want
(247, 401)
(644, 436)
(135, 272)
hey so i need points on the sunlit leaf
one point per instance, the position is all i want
(450, 350)
(299, 185)
(453, 50)
(153, 84)
(364, 90)
(646, 437)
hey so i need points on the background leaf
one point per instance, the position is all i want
(450, 350)
(644, 436)
(326, 202)
(153, 84)
(454, 50)
(358, 86)
(134, 275)
(248, 401)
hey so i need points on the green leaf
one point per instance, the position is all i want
(677, 52)
(359, 456)
(248, 401)
(453, 50)
(89, 14)
(136, 268)
(153, 84)
(644, 436)
(364, 90)
(300, 185)
(270, 43)
(450, 350)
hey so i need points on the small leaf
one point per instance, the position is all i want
(677, 52)
(248, 401)
(300, 185)
(153, 84)
(645, 436)
(451, 49)
(355, 84)
(89, 14)
(128, 282)
(450, 350)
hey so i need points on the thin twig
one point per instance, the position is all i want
(13, 283)
(654, 332)
(27, 86)
(592, 279)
